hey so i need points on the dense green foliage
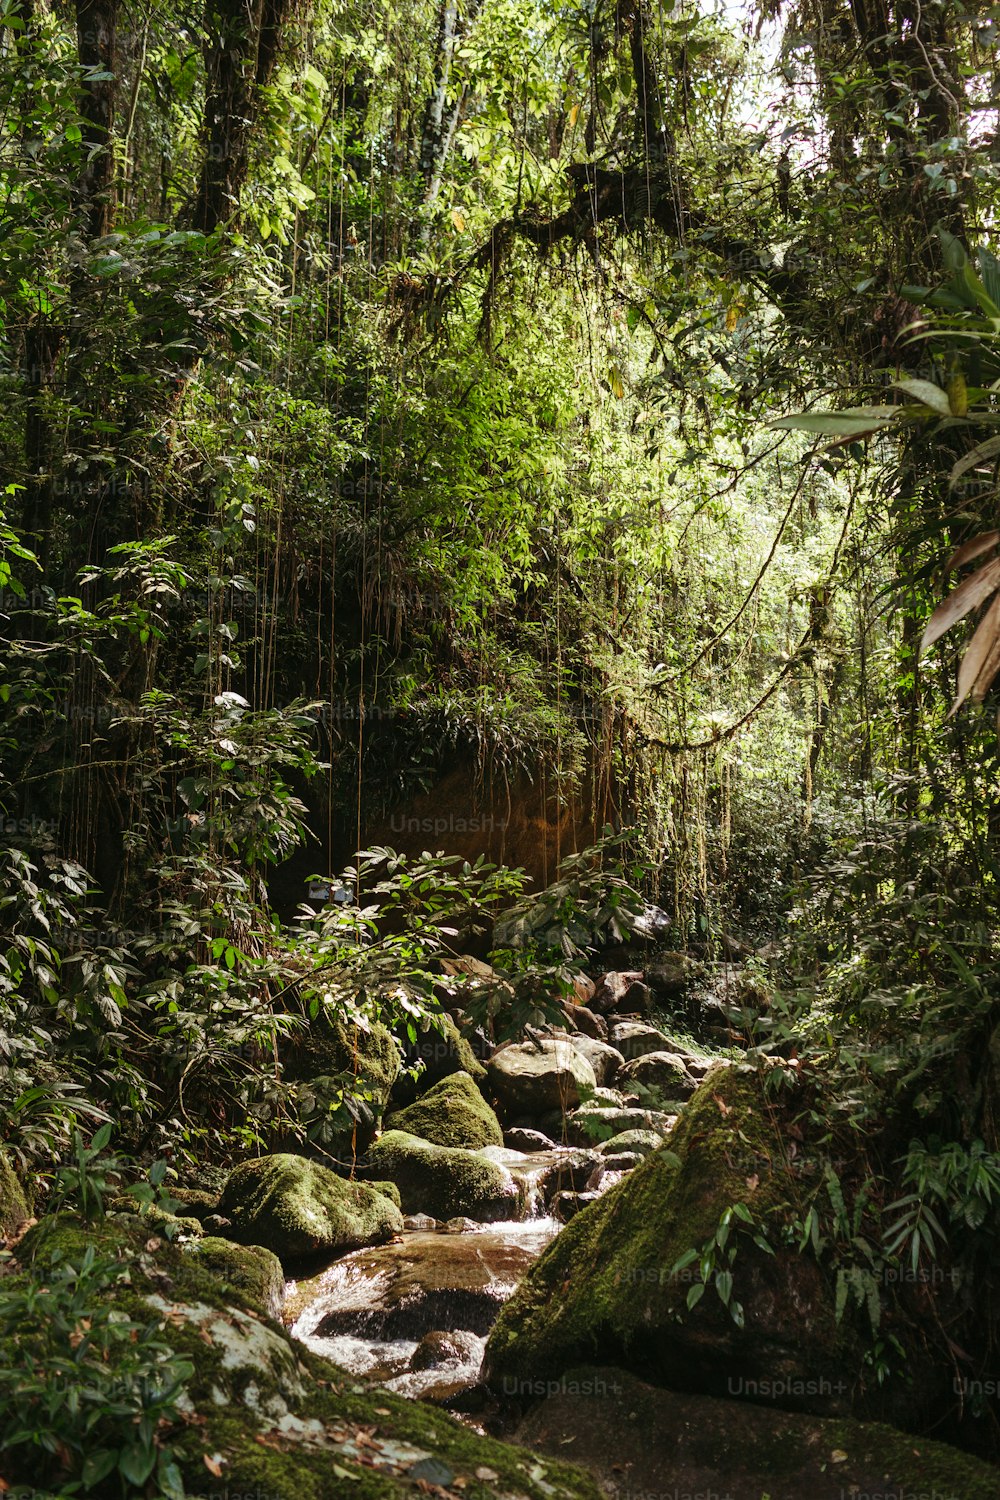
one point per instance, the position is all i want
(494, 415)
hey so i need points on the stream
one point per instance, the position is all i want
(414, 1314)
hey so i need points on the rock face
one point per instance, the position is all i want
(445, 1181)
(632, 1437)
(534, 1078)
(452, 1113)
(299, 1209)
(605, 1289)
(275, 1418)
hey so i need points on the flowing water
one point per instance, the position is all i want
(370, 1311)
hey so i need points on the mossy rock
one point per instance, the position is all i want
(452, 1113)
(197, 1203)
(157, 1220)
(615, 1424)
(388, 1190)
(439, 1052)
(335, 1048)
(300, 1209)
(15, 1205)
(445, 1181)
(274, 1418)
(604, 1289)
(641, 1142)
(252, 1270)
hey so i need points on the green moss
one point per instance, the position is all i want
(444, 1181)
(252, 1381)
(388, 1190)
(333, 1047)
(157, 1220)
(452, 1113)
(298, 1208)
(14, 1203)
(604, 1289)
(252, 1270)
(199, 1204)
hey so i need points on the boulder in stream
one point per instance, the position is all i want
(452, 1113)
(536, 1077)
(605, 1060)
(445, 1181)
(298, 1209)
(664, 1071)
(606, 1287)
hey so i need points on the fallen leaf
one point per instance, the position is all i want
(213, 1465)
(484, 1473)
(838, 1456)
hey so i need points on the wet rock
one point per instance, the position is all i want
(415, 1286)
(452, 1113)
(298, 1208)
(604, 1060)
(276, 1418)
(570, 1171)
(664, 1071)
(621, 1161)
(444, 1181)
(420, 1221)
(520, 1139)
(440, 1348)
(532, 1078)
(458, 1226)
(631, 1436)
(566, 1206)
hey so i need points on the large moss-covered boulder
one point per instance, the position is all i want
(14, 1204)
(259, 1412)
(452, 1113)
(445, 1181)
(336, 1050)
(531, 1079)
(439, 1051)
(615, 1425)
(604, 1290)
(250, 1269)
(299, 1209)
